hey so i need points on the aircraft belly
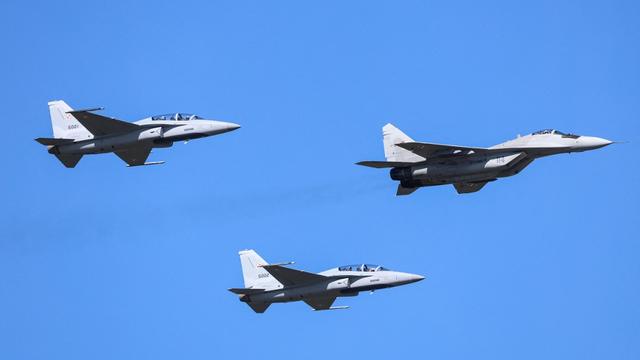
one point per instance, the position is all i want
(110, 144)
(297, 293)
(473, 170)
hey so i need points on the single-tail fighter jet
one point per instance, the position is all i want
(82, 132)
(418, 164)
(265, 284)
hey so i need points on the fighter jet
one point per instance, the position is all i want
(265, 284)
(82, 132)
(418, 164)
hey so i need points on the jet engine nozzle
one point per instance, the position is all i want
(403, 173)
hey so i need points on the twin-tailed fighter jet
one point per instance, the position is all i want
(418, 164)
(82, 132)
(266, 284)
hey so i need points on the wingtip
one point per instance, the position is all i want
(85, 110)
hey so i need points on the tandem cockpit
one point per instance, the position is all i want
(362, 268)
(175, 117)
(555, 132)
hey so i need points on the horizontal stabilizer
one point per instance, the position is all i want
(53, 141)
(246, 291)
(385, 164)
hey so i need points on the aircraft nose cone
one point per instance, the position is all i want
(229, 126)
(592, 142)
(232, 126)
(410, 278)
(219, 127)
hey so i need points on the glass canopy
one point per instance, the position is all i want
(176, 116)
(362, 267)
(554, 132)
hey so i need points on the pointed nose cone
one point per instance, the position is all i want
(229, 126)
(592, 142)
(406, 278)
(220, 127)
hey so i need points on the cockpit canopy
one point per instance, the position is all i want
(176, 116)
(554, 132)
(362, 267)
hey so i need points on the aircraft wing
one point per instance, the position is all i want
(134, 156)
(292, 277)
(470, 187)
(100, 125)
(323, 303)
(430, 150)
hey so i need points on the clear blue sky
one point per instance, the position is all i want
(108, 262)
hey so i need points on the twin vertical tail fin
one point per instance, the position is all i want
(395, 155)
(391, 136)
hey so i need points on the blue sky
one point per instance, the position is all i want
(108, 262)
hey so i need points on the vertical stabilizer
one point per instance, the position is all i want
(391, 135)
(64, 125)
(255, 276)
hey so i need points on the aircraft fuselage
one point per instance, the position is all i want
(351, 284)
(448, 171)
(159, 136)
(468, 168)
